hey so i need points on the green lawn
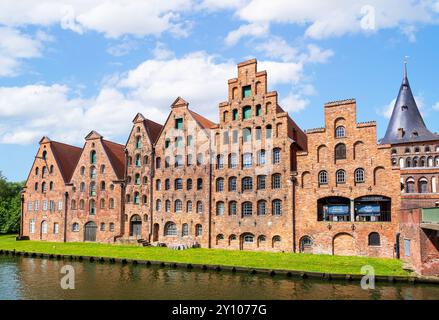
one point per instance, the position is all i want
(268, 260)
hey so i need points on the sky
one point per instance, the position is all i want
(68, 67)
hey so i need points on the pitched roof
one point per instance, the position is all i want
(116, 155)
(153, 129)
(297, 134)
(202, 121)
(67, 157)
(406, 123)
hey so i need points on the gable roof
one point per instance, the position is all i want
(202, 121)
(153, 129)
(116, 155)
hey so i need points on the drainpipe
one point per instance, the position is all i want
(210, 197)
(151, 194)
(397, 253)
(21, 214)
(293, 180)
(66, 208)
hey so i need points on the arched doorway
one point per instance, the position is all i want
(155, 234)
(305, 244)
(90, 229)
(43, 230)
(136, 226)
(247, 241)
(343, 244)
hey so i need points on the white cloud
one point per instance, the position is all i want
(253, 29)
(324, 18)
(294, 103)
(214, 5)
(278, 48)
(123, 48)
(436, 106)
(16, 46)
(161, 52)
(114, 18)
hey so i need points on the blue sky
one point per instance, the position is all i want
(68, 67)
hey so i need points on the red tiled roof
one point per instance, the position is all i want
(67, 157)
(116, 155)
(153, 129)
(297, 134)
(205, 123)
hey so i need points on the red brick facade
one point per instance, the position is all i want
(254, 181)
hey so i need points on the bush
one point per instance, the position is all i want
(9, 205)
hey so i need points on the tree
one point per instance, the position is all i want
(9, 205)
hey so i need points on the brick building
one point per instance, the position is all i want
(348, 192)
(252, 181)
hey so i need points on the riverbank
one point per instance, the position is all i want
(326, 264)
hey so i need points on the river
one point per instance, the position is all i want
(35, 278)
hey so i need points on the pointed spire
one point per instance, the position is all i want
(406, 123)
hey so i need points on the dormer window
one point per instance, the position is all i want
(401, 133)
(404, 108)
(246, 91)
(415, 133)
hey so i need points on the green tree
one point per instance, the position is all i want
(9, 205)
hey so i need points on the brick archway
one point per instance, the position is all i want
(343, 244)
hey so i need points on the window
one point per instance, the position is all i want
(167, 143)
(220, 161)
(185, 230)
(246, 91)
(81, 204)
(92, 208)
(359, 175)
(268, 131)
(233, 208)
(50, 186)
(305, 244)
(198, 230)
(102, 169)
(178, 161)
(232, 184)
(261, 182)
(111, 203)
(43, 187)
(60, 205)
(340, 176)
(102, 205)
(138, 160)
(93, 172)
(199, 159)
(235, 136)
(44, 172)
(158, 205)
(128, 198)
(235, 114)
(247, 183)
(75, 227)
(29, 206)
(258, 133)
(189, 140)
(55, 228)
(136, 198)
(158, 184)
(199, 207)
(36, 205)
(226, 137)
(407, 150)
(233, 161)
(178, 205)
(93, 157)
(36, 171)
(199, 184)
(248, 238)
(247, 209)
(137, 179)
(111, 226)
(32, 226)
(423, 185)
(178, 184)
(407, 247)
(247, 160)
(261, 157)
(138, 142)
(246, 135)
(179, 123)
(189, 206)
(220, 208)
(189, 160)
(102, 226)
(219, 185)
(158, 163)
(93, 188)
(167, 184)
(145, 180)
(340, 132)
(189, 184)
(262, 206)
(167, 206)
(52, 205)
(179, 142)
(44, 155)
(44, 207)
(36, 186)
(258, 110)
(277, 207)
(170, 229)
(51, 169)
(276, 156)
(44, 227)
(340, 151)
(374, 239)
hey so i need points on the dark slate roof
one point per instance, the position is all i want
(406, 116)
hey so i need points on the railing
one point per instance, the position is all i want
(430, 215)
(384, 216)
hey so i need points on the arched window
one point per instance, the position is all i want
(136, 198)
(178, 184)
(199, 184)
(36, 171)
(185, 230)
(170, 229)
(145, 160)
(189, 184)
(75, 227)
(374, 239)
(92, 209)
(178, 163)
(276, 207)
(51, 185)
(246, 135)
(410, 185)
(199, 159)
(219, 184)
(137, 179)
(189, 206)
(111, 203)
(199, 207)
(247, 209)
(305, 244)
(51, 169)
(81, 204)
(233, 208)
(44, 155)
(93, 188)
(232, 184)
(261, 181)
(235, 114)
(261, 240)
(198, 230)
(423, 185)
(167, 162)
(247, 184)
(276, 155)
(144, 199)
(260, 157)
(43, 172)
(158, 205)
(220, 161)
(145, 180)
(258, 133)
(359, 175)
(102, 204)
(167, 184)
(220, 208)
(340, 176)
(138, 142)
(219, 238)
(408, 162)
(276, 240)
(158, 163)
(340, 151)
(233, 161)
(178, 205)
(73, 205)
(340, 132)
(247, 160)
(93, 172)
(248, 238)
(36, 186)
(167, 206)
(43, 187)
(323, 177)
(158, 184)
(268, 131)
(276, 181)
(93, 157)
(138, 160)
(262, 207)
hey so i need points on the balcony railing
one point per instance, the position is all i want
(383, 216)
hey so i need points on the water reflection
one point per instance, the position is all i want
(28, 278)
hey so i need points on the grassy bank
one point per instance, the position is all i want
(268, 260)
